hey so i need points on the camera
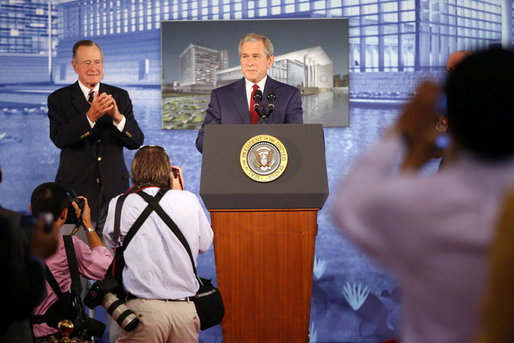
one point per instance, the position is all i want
(69, 307)
(72, 216)
(28, 222)
(86, 327)
(102, 292)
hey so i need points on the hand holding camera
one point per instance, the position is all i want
(176, 179)
(417, 125)
(83, 211)
(79, 212)
(75, 208)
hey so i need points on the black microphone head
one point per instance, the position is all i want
(257, 96)
(271, 96)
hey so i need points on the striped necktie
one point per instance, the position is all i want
(90, 96)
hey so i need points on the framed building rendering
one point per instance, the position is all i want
(198, 56)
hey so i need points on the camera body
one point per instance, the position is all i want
(72, 216)
(86, 327)
(103, 292)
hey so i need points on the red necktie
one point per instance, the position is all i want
(253, 115)
(91, 95)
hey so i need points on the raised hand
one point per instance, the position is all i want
(114, 112)
(176, 182)
(101, 104)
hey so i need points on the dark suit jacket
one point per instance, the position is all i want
(91, 159)
(229, 105)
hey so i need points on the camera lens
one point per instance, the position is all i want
(125, 317)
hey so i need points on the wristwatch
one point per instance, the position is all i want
(91, 229)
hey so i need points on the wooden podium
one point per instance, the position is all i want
(264, 233)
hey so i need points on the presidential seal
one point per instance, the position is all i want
(263, 158)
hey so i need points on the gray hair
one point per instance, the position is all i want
(84, 42)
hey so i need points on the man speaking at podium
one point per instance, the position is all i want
(256, 98)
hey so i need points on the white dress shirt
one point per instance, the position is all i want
(249, 88)
(157, 265)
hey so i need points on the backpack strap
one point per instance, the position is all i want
(170, 223)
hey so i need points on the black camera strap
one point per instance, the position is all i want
(207, 301)
(170, 223)
(117, 218)
(52, 282)
(153, 205)
(117, 214)
(139, 221)
(116, 268)
(76, 287)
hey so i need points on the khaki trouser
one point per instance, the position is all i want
(163, 321)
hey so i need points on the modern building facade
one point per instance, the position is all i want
(306, 68)
(28, 35)
(385, 36)
(198, 67)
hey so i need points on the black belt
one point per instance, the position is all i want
(130, 297)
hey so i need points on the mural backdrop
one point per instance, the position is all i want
(392, 44)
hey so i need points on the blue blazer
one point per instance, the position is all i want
(90, 156)
(229, 105)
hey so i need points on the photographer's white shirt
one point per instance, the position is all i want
(157, 265)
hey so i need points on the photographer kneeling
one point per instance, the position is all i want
(158, 277)
(92, 261)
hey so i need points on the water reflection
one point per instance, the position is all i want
(28, 156)
(329, 108)
(187, 112)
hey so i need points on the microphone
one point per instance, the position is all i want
(257, 97)
(271, 105)
(271, 99)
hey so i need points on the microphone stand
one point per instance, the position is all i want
(271, 106)
(261, 110)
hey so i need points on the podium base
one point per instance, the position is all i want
(264, 265)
